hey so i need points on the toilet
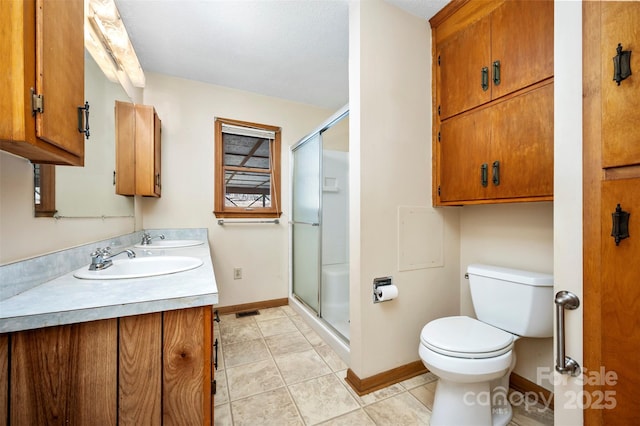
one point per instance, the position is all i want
(473, 358)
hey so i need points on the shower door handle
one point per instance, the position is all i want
(564, 364)
(295, 222)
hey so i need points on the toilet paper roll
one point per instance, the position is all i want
(387, 292)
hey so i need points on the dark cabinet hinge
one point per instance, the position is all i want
(438, 59)
(438, 109)
(439, 136)
(438, 190)
(213, 387)
(37, 103)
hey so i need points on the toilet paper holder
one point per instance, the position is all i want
(380, 282)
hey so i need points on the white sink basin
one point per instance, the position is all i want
(166, 244)
(140, 267)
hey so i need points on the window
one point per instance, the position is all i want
(247, 162)
(44, 190)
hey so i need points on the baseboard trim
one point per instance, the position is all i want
(528, 387)
(384, 379)
(233, 309)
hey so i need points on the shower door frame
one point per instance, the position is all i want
(334, 119)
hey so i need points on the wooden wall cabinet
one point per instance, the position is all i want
(42, 85)
(493, 102)
(138, 149)
(151, 369)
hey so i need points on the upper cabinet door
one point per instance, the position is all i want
(522, 42)
(60, 72)
(620, 103)
(460, 69)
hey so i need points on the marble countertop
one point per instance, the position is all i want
(67, 299)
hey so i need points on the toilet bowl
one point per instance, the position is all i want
(473, 358)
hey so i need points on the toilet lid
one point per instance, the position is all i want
(465, 337)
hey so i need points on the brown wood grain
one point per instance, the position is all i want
(4, 378)
(187, 349)
(125, 148)
(140, 370)
(18, 49)
(64, 375)
(145, 155)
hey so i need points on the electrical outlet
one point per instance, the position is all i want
(237, 273)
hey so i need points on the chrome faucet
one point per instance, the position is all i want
(146, 238)
(101, 258)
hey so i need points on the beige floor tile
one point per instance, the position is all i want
(245, 352)
(313, 337)
(269, 408)
(251, 379)
(271, 327)
(222, 415)
(222, 390)
(401, 409)
(420, 380)
(425, 393)
(529, 412)
(286, 343)
(270, 313)
(331, 358)
(322, 398)
(288, 310)
(298, 366)
(239, 332)
(354, 418)
(300, 323)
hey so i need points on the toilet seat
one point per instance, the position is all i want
(464, 337)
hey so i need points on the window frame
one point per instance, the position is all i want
(221, 210)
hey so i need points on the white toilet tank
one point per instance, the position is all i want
(520, 302)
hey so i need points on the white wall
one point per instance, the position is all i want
(514, 236)
(187, 110)
(390, 161)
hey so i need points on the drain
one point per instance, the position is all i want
(247, 314)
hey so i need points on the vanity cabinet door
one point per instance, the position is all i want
(42, 47)
(64, 375)
(4, 378)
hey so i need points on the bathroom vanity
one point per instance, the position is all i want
(121, 351)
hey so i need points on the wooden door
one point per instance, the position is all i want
(611, 272)
(64, 375)
(125, 148)
(464, 148)
(621, 104)
(522, 40)
(157, 157)
(60, 72)
(522, 143)
(461, 60)
(186, 383)
(140, 370)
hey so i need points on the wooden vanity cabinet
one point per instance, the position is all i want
(42, 85)
(151, 369)
(138, 150)
(493, 104)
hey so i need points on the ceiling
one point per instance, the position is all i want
(290, 49)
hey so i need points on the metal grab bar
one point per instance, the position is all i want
(223, 221)
(564, 364)
(295, 222)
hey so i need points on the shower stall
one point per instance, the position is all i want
(319, 224)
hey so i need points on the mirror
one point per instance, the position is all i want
(89, 191)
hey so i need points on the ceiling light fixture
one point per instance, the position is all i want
(107, 40)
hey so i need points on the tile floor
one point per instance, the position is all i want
(273, 369)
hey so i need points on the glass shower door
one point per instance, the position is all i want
(306, 230)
